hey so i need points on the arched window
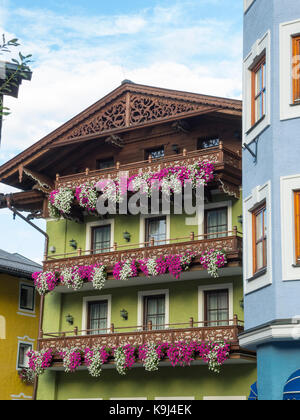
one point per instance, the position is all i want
(2, 328)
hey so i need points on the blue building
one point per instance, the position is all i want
(271, 189)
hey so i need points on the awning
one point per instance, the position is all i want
(292, 387)
(253, 393)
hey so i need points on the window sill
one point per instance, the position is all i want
(255, 125)
(297, 103)
(296, 265)
(258, 275)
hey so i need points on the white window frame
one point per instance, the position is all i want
(140, 310)
(259, 195)
(99, 223)
(26, 312)
(144, 217)
(286, 31)
(215, 206)
(211, 288)
(288, 185)
(260, 47)
(247, 4)
(28, 342)
(85, 303)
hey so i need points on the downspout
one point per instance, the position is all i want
(16, 212)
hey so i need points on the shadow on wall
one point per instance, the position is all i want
(2, 328)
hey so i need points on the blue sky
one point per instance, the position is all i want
(84, 49)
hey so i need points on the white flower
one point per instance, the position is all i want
(99, 277)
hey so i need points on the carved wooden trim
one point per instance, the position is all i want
(232, 245)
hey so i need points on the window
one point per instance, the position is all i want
(105, 163)
(23, 360)
(296, 70)
(216, 220)
(259, 231)
(101, 237)
(27, 297)
(259, 91)
(217, 307)
(97, 317)
(155, 311)
(208, 142)
(297, 225)
(156, 228)
(155, 154)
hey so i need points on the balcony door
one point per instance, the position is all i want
(216, 221)
(155, 311)
(156, 228)
(98, 317)
(101, 239)
(217, 308)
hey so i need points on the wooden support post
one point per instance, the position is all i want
(112, 328)
(184, 152)
(152, 242)
(57, 177)
(191, 322)
(115, 246)
(235, 230)
(79, 252)
(76, 331)
(87, 171)
(149, 326)
(118, 165)
(150, 159)
(192, 236)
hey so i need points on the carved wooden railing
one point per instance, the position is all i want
(139, 335)
(219, 156)
(229, 241)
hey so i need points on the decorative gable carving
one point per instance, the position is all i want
(131, 110)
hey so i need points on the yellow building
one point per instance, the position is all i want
(19, 320)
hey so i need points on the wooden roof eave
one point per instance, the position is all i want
(40, 149)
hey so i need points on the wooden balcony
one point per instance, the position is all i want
(230, 242)
(228, 167)
(139, 335)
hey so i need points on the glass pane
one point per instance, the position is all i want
(101, 239)
(23, 358)
(258, 84)
(27, 298)
(98, 317)
(259, 256)
(213, 302)
(259, 226)
(216, 221)
(157, 230)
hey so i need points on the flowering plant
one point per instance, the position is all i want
(214, 354)
(60, 201)
(123, 270)
(124, 358)
(94, 359)
(72, 278)
(27, 375)
(86, 196)
(168, 180)
(45, 282)
(149, 356)
(39, 361)
(181, 353)
(72, 359)
(99, 277)
(212, 260)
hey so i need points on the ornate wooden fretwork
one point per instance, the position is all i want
(232, 245)
(225, 333)
(111, 117)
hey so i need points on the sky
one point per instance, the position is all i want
(82, 50)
